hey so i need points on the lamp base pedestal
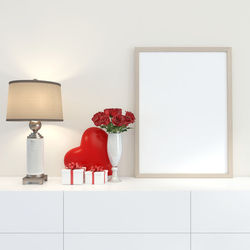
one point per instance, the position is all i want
(35, 179)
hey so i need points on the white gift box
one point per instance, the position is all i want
(106, 176)
(73, 176)
(96, 178)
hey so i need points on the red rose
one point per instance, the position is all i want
(100, 119)
(105, 120)
(118, 120)
(131, 116)
(97, 118)
(113, 112)
(127, 120)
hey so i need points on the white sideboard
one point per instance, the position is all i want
(220, 212)
(28, 241)
(135, 214)
(214, 241)
(127, 212)
(31, 212)
(127, 241)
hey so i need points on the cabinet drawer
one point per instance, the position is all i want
(31, 241)
(127, 211)
(224, 212)
(126, 241)
(28, 211)
(221, 242)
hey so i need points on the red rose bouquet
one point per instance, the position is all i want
(113, 121)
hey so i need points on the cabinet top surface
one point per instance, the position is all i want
(132, 184)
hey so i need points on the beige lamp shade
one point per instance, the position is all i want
(34, 100)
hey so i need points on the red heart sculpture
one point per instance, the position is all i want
(92, 151)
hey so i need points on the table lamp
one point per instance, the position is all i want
(34, 101)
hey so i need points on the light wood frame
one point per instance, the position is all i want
(228, 51)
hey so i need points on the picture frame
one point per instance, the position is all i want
(184, 112)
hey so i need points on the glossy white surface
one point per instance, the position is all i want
(31, 241)
(35, 156)
(126, 241)
(114, 148)
(190, 89)
(221, 242)
(183, 112)
(221, 211)
(133, 184)
(127, 211)
(31, 212)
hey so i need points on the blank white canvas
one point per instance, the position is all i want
(183, 112)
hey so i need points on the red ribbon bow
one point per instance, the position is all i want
(96, 169)
(74, 165)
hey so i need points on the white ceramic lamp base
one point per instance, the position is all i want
(35, 161)
(35, 154)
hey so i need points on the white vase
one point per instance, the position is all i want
(114, 153)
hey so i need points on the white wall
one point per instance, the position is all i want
(88, 46)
